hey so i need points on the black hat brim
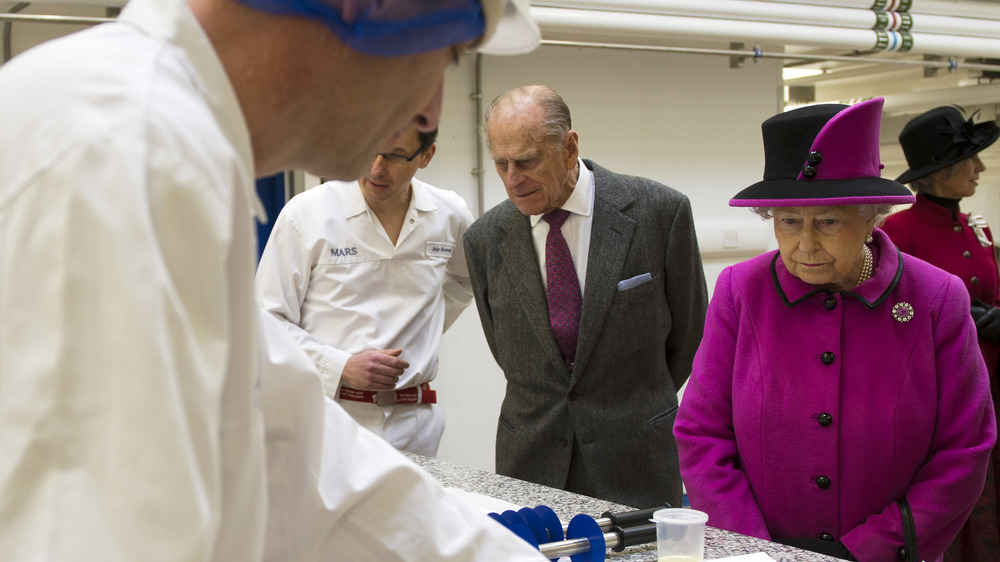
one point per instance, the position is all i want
(917, 173)
(822, 193)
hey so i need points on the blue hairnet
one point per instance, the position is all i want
(388, 27)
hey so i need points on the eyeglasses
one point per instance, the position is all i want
(395, 159)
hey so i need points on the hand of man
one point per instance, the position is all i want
(375, 369)
(987, 320)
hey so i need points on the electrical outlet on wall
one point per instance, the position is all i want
(730, 239)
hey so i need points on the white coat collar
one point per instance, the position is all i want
(354, 202)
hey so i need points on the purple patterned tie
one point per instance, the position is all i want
(563, 287)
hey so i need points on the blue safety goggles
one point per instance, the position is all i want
(389, 28)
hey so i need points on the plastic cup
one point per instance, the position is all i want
(680, 534)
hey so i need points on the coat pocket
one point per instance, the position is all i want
(632, 282)
(666, 415)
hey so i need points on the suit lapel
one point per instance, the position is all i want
(521, 266)
(610, 239)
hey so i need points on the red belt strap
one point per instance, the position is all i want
(414, 395)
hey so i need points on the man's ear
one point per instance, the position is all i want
(572, 145)
(427, 154)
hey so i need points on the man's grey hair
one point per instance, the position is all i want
(557, 122)
(878, 211)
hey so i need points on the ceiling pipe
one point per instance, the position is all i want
(39, 18)
(729, 10)
(760, 54)
(775, 8)
(965, 8)
(634, 28)
(105, 3)
(864, 4)
(781, 12)
(945, 25)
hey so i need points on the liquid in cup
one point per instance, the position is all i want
(680, 534)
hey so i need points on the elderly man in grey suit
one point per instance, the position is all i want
(592, 296)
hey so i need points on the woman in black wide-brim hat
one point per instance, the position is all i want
(942, 150)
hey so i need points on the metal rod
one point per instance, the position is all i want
(7, 49)
(85, 20)
(574, 546)
(478, 171)
(604, 523)
(638, 517)
(757, 53)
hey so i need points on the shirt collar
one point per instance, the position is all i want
(581, 200)
(887, 270)
(173, 22)
(352, 198)
(354, 201)
(420, 199)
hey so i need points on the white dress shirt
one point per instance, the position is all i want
(576, 229)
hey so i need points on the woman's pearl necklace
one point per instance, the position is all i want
(866, 268)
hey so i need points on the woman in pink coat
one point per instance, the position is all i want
(839, 381)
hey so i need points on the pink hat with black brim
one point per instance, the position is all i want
(823, 156)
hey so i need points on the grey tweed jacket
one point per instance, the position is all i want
(634, 350)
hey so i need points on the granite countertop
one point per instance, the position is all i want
(718, 543)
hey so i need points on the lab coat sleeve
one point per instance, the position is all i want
(281, 283)
(704, 429)
(457, 285)
(687, 295)
(115, 340)
(338, 492)
(944, 490)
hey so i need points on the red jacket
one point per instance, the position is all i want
(928, 231)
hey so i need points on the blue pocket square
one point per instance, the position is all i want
(634, 281)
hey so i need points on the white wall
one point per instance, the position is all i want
(690, 122)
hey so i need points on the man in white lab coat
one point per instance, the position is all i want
(366, 275)
(133, 422)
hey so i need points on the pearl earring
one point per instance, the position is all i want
(869, 239)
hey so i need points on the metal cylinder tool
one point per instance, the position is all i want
(584, 538)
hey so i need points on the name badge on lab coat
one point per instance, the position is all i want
(440, 250)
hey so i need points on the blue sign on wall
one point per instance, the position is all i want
(271, 191)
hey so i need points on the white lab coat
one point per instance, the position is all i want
(331, 274)
(130, 406)
(333, 278)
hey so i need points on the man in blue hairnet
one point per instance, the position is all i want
(137, 419)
